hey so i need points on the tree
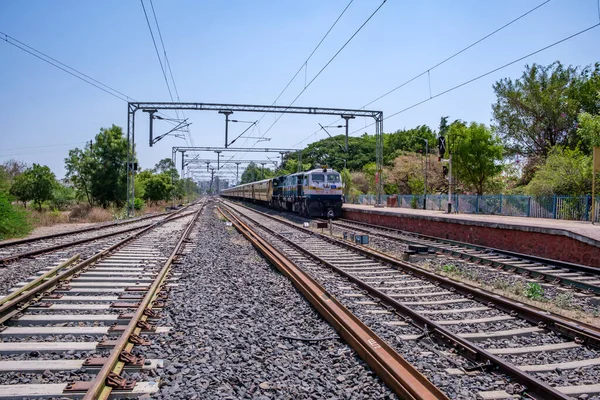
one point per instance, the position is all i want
(539, 110)
(589, 129)
(407, 174)
(10, 169)
(157, 188)
(98, 172)
(408, 140)
(254, 173)
(565, 172)
(347, 181)
(79, 165)
(36, 184)
(477, 153)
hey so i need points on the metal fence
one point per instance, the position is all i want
(576, 208)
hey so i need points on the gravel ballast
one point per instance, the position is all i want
(229, 317)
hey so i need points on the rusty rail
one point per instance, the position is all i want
(563, 325)
(101, 386)
(396, 372)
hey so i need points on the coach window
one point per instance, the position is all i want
(318, 177)
(333, 178)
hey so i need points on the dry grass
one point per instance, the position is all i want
(47, 218)
(155, 208)
(98, 214)
(86, 213)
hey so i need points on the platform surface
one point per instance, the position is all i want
(577, 229)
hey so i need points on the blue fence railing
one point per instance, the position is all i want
(576, 208)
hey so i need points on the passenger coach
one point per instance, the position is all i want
(315, 193)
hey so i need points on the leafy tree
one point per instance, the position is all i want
(539, 110)
(80, 165)
(157, 188)
(589, 129)
(62, 197)
(36, 183)
(407, 175)
(167, 166)
(477, 153)
(98, 172)
(254, 173)
(10, 169)
(408, 140)
(565, 172)
(347, 181)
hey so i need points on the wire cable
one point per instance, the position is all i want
(327, 64)
(428, 70)
(486, 74)
(57, 64)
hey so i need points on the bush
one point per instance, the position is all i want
(62, 197)
(13, 221)
(80, 211)
(138, 204)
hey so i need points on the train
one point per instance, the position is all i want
(314, 193)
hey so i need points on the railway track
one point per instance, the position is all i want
(14, 250)
(79, 329)
(476, 336)
(567, 275)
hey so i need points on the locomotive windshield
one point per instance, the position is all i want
(318, 178)
(333, 178)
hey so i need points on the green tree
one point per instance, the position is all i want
(35, 184)
(98, 172)
(565, 172)
(477, 153)
(157, 188)
(79, 165)
(589, 129)
(347, 181)
(539, 110)
(408, 140)
(254, 173)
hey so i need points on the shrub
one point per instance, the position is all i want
(99, 214)
(138, 204)
(13, 221)
(534, 291)
(80, 211)
(62, 197)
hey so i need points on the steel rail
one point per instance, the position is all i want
(523, 270)
(569, 327)
(396, 372)
(100, 389)
(526, 257)
(6, 243)
(574, 329)
(39, 279)
(6, 260)
(16, 305)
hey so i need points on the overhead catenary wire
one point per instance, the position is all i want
(485, 74)
(68, 69)
(328, 63)
(162, 67)
(323, 68)
(304, 65)
(428, 70)
(168, 65)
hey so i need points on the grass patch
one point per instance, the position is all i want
(13, 220)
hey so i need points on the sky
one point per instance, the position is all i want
(246, 51)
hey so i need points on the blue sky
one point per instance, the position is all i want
(247, 51)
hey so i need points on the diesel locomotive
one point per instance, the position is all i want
(315, 193)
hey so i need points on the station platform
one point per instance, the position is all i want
(572, 241)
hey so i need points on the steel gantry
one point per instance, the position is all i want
(227, 109)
